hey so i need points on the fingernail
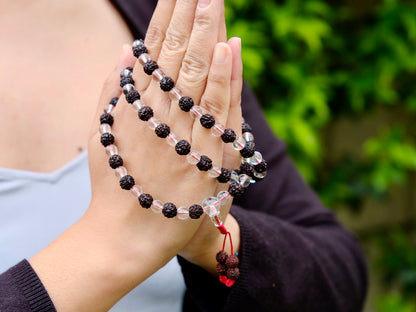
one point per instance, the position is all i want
(220, 53)
(203, 3)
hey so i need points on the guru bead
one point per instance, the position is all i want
(195, 211)
(205, 163)
(248, 150)
(145, 200)
(139, 50)
(235, 189)
(186, 103)
(114, 101)
(132, 96)
(115, 161)
(127, 182)
(169, 210)
(225, 175)
(232, 261)
(245, 127)
(207, 121)
(167, 84)
(107, 139)
(183, 147)
(162, 130)
(106, 118)
(221, 257)
(126, 80)
(261, 167)
(221, 269)
(228, 136)
(145, 113)
(149, 67)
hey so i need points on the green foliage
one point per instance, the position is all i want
(395, 303)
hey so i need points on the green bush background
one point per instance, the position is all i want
(313, 63)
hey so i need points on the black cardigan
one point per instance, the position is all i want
(294, 255)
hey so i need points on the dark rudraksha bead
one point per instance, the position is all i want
(261, 167)
(233, 273)
(235, 189)
(183, 147)
(115, 161)
(167, 84)
(145, 200)
(248, 149)
(107, 139)
(232, 261)
(247, 169)
(127, 182)
(169, 210)
(162, 130)
(129, 68)
(195, 211)
(221, 257)
(221, 269)
(106, 118)
(205, 163)
(132, 96)
(114, 101)
(228, 136)
(245, 127)
(139, 50)
(207, 121)
(225, 175)
(149, 67)
(126, 80)
(186, 103)
(145, 113)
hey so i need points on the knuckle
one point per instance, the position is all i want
(212, 105)
(203, 21)
(154, 36)
(218, 79)
(175, 41)
(194, 69)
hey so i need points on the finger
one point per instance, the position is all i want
(222, 33)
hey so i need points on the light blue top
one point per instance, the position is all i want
(35, 208)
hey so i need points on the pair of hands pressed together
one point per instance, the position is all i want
(117, 244)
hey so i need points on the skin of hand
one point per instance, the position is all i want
(117, 244)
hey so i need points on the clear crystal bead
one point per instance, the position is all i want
(157, 206)
(137, 105)
(111, 150)
(210, 201)
(172, 139)
(239, 143)
(126, 73)
(223, 198)
(175, 94)
(214, 172)
(127, 88)
(109, 108)
(144, 58)
(158, 74)
(217, 130)
(105, 128)
(248, 136)
(183, 213)
(217, 221)
(234, 177)
(193, 157)
(256, 158)
(244, 180)
(260, 175)
(211, 211)
(137, 43)
(153, 123)
(196, 112)
(120, 172)
(136, 191)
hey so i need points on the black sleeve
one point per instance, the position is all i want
(22, 291)
(294, 255)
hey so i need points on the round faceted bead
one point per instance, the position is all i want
(211, 211)
(127, 182)
(193, 157)
(234, 176)
(183, 213)
(105, 128)
(136, 191)
(221, 257)
(172, 139)
(186, 103)
(260, 175)
(128, 88)
(137, 105)
(153, 123)
(232, 261)
(145, 200)
(225, 175)
(111, 149)
(239, 143)
(126, 73)
(245, 127)
(244, 180)
(205, 163)
(149, 67)
(107, 139)
(235, 189)
(228, 136)
(114, 101)
(256, 158)
(144, 58)
(137, 43)
(157, 206)
(126, 80)
(145, 113)
(217, 130)
(248, 150)
(162, 130)
(223, 198)
(139, 50)
(106, 118)
(233, 273)
(175, 94)
(132, 96)
(214, 172)
(183, 147)
(115, 161)
(167, 83)
(207, 121)
(221, 269)
(247, 169)
(196, 112)
(210, 201)
(120, 172)
(261, 167)
(158, 75)
(169, 210)
(109, 109)
(195, 211)
(248, 136)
